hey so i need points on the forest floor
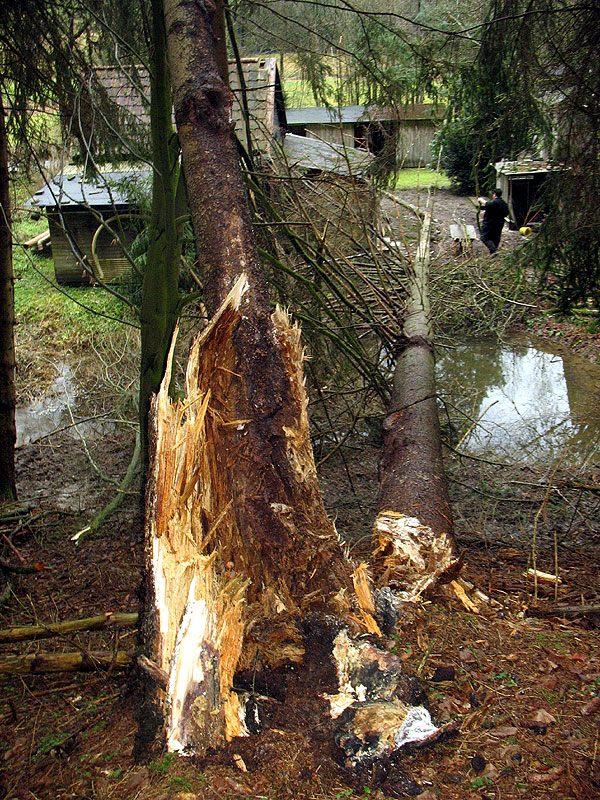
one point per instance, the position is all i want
(520, 681)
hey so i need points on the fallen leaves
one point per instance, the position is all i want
(592, 707)
(138, 780)
(542, 778)
(543, 717)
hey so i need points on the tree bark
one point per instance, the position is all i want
(160, 293)
(8, 432)
(413, 529)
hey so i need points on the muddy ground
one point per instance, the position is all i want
(520, 682)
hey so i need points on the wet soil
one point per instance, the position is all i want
(522, 689)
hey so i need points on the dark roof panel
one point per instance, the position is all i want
(326, 116)
(319, 115)
(313, 154)
(108, 189)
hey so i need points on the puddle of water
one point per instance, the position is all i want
(44, 414)
(532, 405)
(49, 413)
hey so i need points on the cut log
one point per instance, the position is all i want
(66, 662)
(110, 619)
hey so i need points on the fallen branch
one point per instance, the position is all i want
(25, 632)
(158, 675)
(98, 520)
(15, 514)
(20, 569)
(66, 662)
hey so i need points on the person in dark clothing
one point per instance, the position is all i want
(494, 211)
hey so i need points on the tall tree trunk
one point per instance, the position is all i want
(160, 295)
(413, 529)
(8, 433)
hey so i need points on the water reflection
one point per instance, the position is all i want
(532, 405)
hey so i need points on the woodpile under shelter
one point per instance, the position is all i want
(90, 223)
(409, 128)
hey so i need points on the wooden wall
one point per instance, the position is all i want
(333, 133)
(77, 228)
(414, 142)
(414, 138)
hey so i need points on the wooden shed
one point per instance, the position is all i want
(78, 212)
(369, 128)
(76, 208)
(522, 182)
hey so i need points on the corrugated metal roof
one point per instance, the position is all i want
(314, 154)
(107, 190)
(527, 166)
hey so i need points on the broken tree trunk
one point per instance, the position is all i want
(239, 549)
(413, 529)
(239, 544)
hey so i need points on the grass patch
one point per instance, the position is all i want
(85, 326)
(68, 313)
(421, 178)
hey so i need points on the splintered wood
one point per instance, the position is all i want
(198, 611)
(410, 557)
(238, 540)
(377, 715)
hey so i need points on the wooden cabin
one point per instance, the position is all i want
(411, 127)
(78, 213)
(129, 90)
(522, 182)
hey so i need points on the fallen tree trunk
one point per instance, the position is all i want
(413, 529)
(110, 619)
